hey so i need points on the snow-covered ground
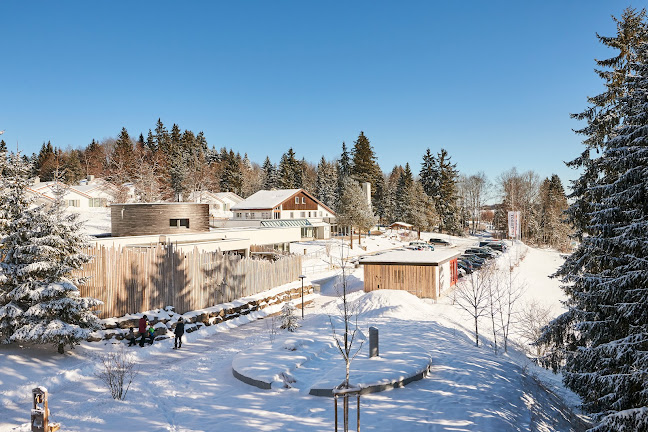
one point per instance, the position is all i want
(193, 389)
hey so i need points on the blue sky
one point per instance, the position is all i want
(491, 82)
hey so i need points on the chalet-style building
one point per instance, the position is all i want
(285, 207)
(425, 274)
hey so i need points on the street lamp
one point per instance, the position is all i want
(302, 277)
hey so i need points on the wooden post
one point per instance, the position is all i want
(40, 412)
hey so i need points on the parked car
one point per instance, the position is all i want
(498, 245)
(480, 253)
(420, 245)
(476, 261)
(465, 265)
(439, 241)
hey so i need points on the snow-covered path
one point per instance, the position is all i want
(468, 389)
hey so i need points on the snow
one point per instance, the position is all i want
(193, 388)
(265, 199)
(412, 257)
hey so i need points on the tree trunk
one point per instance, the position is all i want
(351, 236)
(476, 333)
(61, 348)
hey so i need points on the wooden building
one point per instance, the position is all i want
(158, 218)
(426, 274)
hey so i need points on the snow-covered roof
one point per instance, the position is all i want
(265, 199)
(411, 257)
(405, 224)
(228, 195)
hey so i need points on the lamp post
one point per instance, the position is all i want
(302, 277)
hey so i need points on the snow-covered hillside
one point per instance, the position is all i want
(193, 389)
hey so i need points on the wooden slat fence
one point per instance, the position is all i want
(130, 280)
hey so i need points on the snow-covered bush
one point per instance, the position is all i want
(118, 370)
(288, 318)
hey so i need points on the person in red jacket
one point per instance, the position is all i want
(142, 329)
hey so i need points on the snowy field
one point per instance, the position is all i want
(193, 389)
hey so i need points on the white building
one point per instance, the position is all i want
(285, 207)
(89, 193)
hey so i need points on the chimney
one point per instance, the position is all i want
(366, 189)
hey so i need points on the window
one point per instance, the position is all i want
(277, 215)
(179, 223)
(292, 215)
(296, 200)
(74, 203)
(320, 214)
(239, 215)
(94, 202)
(303, 200)
(252, 215)
(309, 214)
(302, 214)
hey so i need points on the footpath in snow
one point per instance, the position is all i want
(193, 389)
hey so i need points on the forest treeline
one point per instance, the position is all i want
(174, 165)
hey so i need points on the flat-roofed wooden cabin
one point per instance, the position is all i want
(426, 274)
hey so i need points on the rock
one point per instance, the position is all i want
(94, 337)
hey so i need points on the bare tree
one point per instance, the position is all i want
(511, 292)
(472, 295)
(533, 318)
(345, 341)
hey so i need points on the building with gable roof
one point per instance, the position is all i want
(285, 207)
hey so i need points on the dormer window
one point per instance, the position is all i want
(296, 200)
(303, 200)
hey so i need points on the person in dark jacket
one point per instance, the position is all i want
(179, 331)
(142, 329)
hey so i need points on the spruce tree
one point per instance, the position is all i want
(364, 168)
(290, 171)
(269, 175)
(326, 184)
(600, 341)
(343, 171)
(428, 173)
(40, 249)
(444, 194)
(3, 146)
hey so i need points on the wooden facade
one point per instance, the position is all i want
(140, 279)
(305, 202)
(419, 280)
(424, 274)
(158, 218)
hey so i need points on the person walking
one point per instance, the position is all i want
(142, 329)
(179, 331)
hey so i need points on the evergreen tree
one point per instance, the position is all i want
(428, 174)
(269, 175)
(601, 339)
(444, 194)
(3, 146)
(364, 168)
(72, 169)
(94, 159)
(122, 161)
(326, 184)
(552, 204)
(232, 176)
(46, 162)
(290, 171)
(403, 206)
(40, 249)
(343, 171)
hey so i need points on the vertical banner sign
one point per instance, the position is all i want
(514, 224)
